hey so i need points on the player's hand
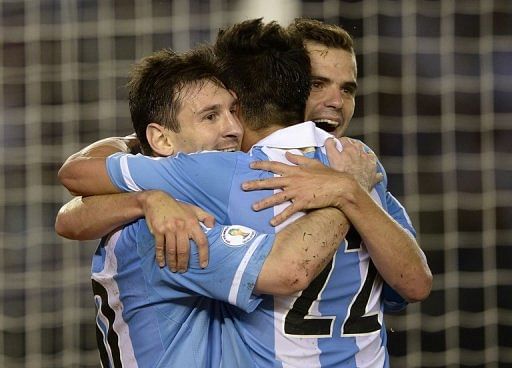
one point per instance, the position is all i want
(173, 224)
(133, 143)
(311, 184)
(354, 160)
(308, 185)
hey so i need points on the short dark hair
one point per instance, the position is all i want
(268, 69)
(155, 83)
(329, 35)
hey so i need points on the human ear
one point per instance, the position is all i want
(159, 140)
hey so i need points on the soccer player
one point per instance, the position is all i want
(136, 300)
(338, 318)
(331, 106)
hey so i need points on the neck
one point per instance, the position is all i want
(251, 137)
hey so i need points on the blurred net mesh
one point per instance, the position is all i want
(435, 102)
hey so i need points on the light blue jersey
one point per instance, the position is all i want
(148, 316)
(337, 321)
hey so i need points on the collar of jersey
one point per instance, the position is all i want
(296, 136)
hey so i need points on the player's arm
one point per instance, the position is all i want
(301, 251)
(245, 263)
(85, 173)
(394, 251)
(79, 219)
(168, 219)
(86, 176)
(88, 218)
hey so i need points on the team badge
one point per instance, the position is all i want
(237, 235)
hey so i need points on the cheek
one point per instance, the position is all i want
(349, 107)
(312, 103)
(209, 139)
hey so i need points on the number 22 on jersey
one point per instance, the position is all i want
(299, 323)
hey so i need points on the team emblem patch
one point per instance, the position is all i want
(237, 235)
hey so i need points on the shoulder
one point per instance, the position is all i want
(210, 157)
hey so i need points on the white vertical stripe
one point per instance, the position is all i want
(100, 328)
(125, 170)
(235, 286)
(296, 352)
(106, 279)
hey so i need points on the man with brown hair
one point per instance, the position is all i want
(338, 318)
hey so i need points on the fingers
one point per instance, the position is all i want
(208, 220)
(272, 201)
(300, 160)
(285, 215)
(273, 166)
(331, 149)
(269, 183)
(170, 251)
(182, 248)
(198, 236)
(160, 249)
(203, 216)
(350, 143)
(177, 246)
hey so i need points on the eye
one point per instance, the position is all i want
(316, 84)
(211, 117)
(349, 89)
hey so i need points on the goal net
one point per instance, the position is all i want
(434, 102)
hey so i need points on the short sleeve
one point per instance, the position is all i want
(203, 179)
(236, 256)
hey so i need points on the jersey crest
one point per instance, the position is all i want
(237, 235)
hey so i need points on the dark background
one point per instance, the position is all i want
(435, 103)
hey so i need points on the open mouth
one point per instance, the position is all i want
(228, 150)
(326, 124)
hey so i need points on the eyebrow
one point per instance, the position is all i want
(352, 84)
(216, 107)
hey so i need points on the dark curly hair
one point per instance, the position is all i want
(268, 68)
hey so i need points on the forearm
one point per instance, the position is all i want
(394, 251)
(301, 251)
(85, 173)
(78, 219)
(86, 177)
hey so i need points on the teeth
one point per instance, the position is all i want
(326, 124)
(228, 150)
(327, 121)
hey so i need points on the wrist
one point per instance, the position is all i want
(148, 199)
(143, 198)
(347, 191)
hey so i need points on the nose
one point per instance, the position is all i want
(233, 127)
(333, 98)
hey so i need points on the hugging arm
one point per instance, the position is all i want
(171, 223)
(394, 251)
(301, 251)
(85, 173)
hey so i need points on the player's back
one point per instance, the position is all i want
(337, 320)
(141, 322)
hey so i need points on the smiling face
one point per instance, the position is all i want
(208, 119)
(333, 87)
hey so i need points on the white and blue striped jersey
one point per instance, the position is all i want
(337, 321)
(148, 316)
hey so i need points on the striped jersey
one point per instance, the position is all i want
(147, 316)
(338, 320)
